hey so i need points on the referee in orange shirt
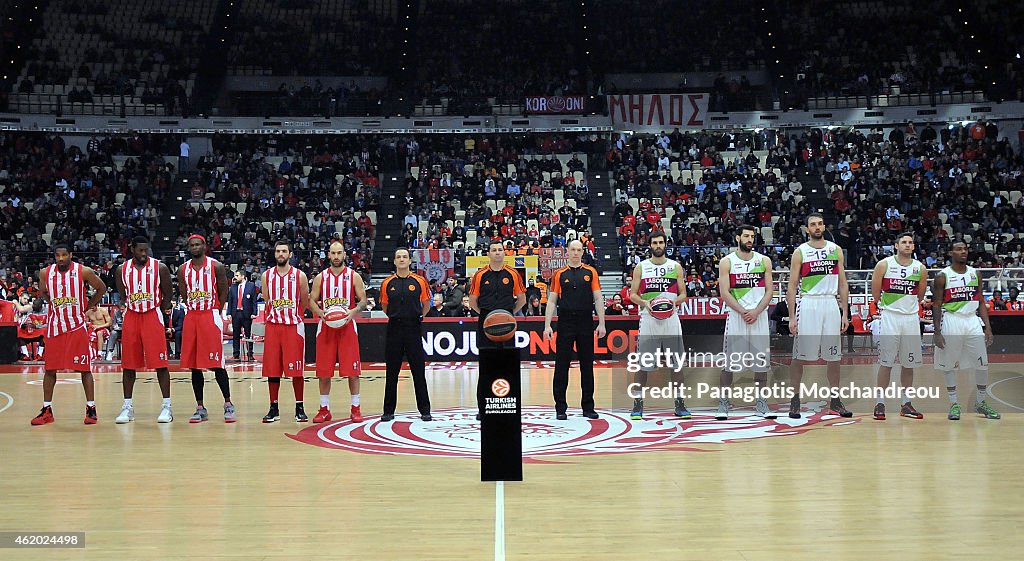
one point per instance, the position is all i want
(576, 292)
(405, 297)
(494, 287)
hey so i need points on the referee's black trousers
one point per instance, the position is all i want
(404, 341)
(575, 329)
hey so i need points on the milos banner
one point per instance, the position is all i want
(658, 112)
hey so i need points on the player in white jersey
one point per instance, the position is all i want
(745, 281)
(658, 278)
(819, 299)
(67, 333)
(960, 341)
(203, 285)
(898, 284)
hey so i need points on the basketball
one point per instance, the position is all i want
(336, 319)
(662, 308)
(499, 326)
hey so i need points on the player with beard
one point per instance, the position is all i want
(898, 284)
(67, 333)
(658, 277)
(818, 298)
(746, 287)
(145, 287)
(337, 288)
(960, 341)
(203, 283)
(286, 293)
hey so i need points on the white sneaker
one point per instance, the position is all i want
(165, 415)
(723, 410)
(127, 415)
(762, 410)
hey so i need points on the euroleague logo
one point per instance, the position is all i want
(500, 387)
(455, 433)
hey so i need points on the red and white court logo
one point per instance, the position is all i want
(500, 387)
(455, 433)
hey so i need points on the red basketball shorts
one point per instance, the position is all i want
(69, 351)
(284, 350)
(202, 340)
(337, 347)
(143, 341)
(94, 334)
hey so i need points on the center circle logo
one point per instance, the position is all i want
(455, 432)
(500, 387)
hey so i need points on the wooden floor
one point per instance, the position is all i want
(824, 489)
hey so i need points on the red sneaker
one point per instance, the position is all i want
(879, 413)
(90, 415)
(323, 415)
(44, 417)
(908, 411)
(357, 415)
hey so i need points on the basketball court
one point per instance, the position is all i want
(746, 489)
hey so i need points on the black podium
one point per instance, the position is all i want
(501, 425)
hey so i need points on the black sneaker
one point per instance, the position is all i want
(638, 410)
(300, 414)
(90, 415)
(836, 407)
(681, 411)
(590, 414)
(561, 416)
(273, 415)
(794, 407)
(426, 417)
(387, 417)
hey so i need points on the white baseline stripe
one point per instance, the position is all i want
(499, 521)
(990, 388)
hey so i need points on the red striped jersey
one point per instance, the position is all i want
(281, 294)
(337, 292)
(67, 300)
(142, 286)
(200, 285)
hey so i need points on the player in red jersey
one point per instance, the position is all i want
(67, 332)
(203, 284)
(145, 286)
(286, 293)
(337, 288)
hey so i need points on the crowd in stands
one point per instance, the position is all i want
(529, 191)
(695, 188)
(254, 190)
(96, 197)
(940, 182)
(953, 182)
